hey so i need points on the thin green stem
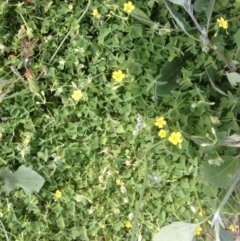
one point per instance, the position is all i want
(228, 194)
(142, 192)
(4, 230)
(220, 54)
(69, 32)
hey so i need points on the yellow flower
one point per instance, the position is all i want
(162, 133)
(128, 7)
(95, 12)
(198, 231)
(175, 138)
(58, 194)
(118, 75)
(222, 23)
(233, 227)
(70, 7)
(160, 122)
(77, 95)
(128, 224)
(201, 213)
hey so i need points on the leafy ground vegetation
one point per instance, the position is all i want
(119, 120)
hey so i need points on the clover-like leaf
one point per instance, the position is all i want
(180, 231)
(24, 177)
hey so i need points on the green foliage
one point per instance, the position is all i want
(99, 152)
(221, 175)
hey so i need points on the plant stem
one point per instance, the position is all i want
(220, 54)
(69, 32)
(228, 194)
(142, 192)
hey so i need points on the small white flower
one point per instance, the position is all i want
(155, 178)
(100, 178)
(109, 173)
(90, 211)
(79, 198)
(125, 200)
(105, 150)
(123, 189)
(193, 105)
(128, 163)
(130, 216)
(98, 53)
(135, 132)
(62, 61)
(140, 237)
(9, 206)
(154, 98)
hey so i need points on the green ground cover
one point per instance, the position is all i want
(119, 120)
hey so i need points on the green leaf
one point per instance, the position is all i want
(24, 177)
(136, 31)
(235, 178)
(233, 78)
(178, 18)
(142, 17)
(180, 231)
(209, 11)
(169, 74)
(226, 235)
(200, 5)
(209, 73)
(134, 68)
(198, 140)
(179, 2)
(206, 6)
(220, 175)
(237, 38)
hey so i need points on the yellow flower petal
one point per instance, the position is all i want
(198, 231)
(162, 133)
(118, 75)
(95, 12)
(222, 23)
(128, 224)
(233, 227)
(128, 7)
(160, 122)
(77, 95)
(58, 194)
(175, 138)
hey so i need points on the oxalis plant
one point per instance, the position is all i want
(219, 148)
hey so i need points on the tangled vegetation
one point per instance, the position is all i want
(120, 120)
